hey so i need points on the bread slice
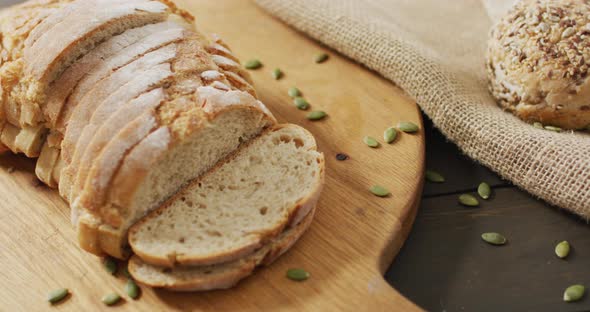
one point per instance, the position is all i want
(46, 163)
(217, 276)
(8, 138)
(107, 57)
(30, 140)
(238, 207)
(121, 87)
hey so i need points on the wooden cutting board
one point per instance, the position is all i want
(355, 234)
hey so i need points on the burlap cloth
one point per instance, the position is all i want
(434, 50)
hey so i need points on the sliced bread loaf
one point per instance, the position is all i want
(217, 276)
(269, 184)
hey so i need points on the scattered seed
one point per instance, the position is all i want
(408, 127)
(468, 200)
(297, 274)
(494, 238)
(484, 190)
(320, 58)
(434, 177)
(538, 125)
(389, 135)
(316, 115)
(111, 299)
(562, 249)
(379, 190)
(110, 265)
(253, 64)
(57, 295)
(277, 73)
(371, 142)
(132, 289)
(574, 293)
(554, 129)
(341, 157)
(294, 92)
(301, 103)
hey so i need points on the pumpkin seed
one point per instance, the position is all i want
(379, 190)
(574, 293)
(277, 73)
(132, 289)
(468, 200)
(57, 295)
(111, 299)
(494, 238)
(434, 177)
(554, 129)
(316, 115)
(389, 135)
(408, 127)
(110, 265)
(320, 58)
(297, 274)
(484, 190)
(253, 64)
(538, 125)
(562, 249)
(371, 142)
(301, 103)
(294, 92)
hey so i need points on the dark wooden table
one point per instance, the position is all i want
(445, 266)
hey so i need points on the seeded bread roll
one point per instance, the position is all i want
(537, 62)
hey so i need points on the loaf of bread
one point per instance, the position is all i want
(125, 104)
(538, 60)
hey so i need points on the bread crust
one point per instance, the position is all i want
(226, 279)
(296, 213)
(538, 60)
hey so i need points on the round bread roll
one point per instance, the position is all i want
(538, 60)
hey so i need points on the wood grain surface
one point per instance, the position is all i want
(352, 241)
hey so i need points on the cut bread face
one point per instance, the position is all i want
(269, 184)
(217, 276)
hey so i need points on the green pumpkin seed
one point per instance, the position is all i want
(494, 238)
(253, 64)
(434, 177)
(132, 289)
(294, 92)
(297, 274)
(277, 73)
(574, 293)
(562, 249)
(320, 58)
(379, 190)
(316, 115)
(468, 200)
(538, 125)
(301, 103)
(408, 127)
(111, 299)
(110, 265)
(484, 190)
(389, 135)
(371, 142)
(57, 295)
(554, 129)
